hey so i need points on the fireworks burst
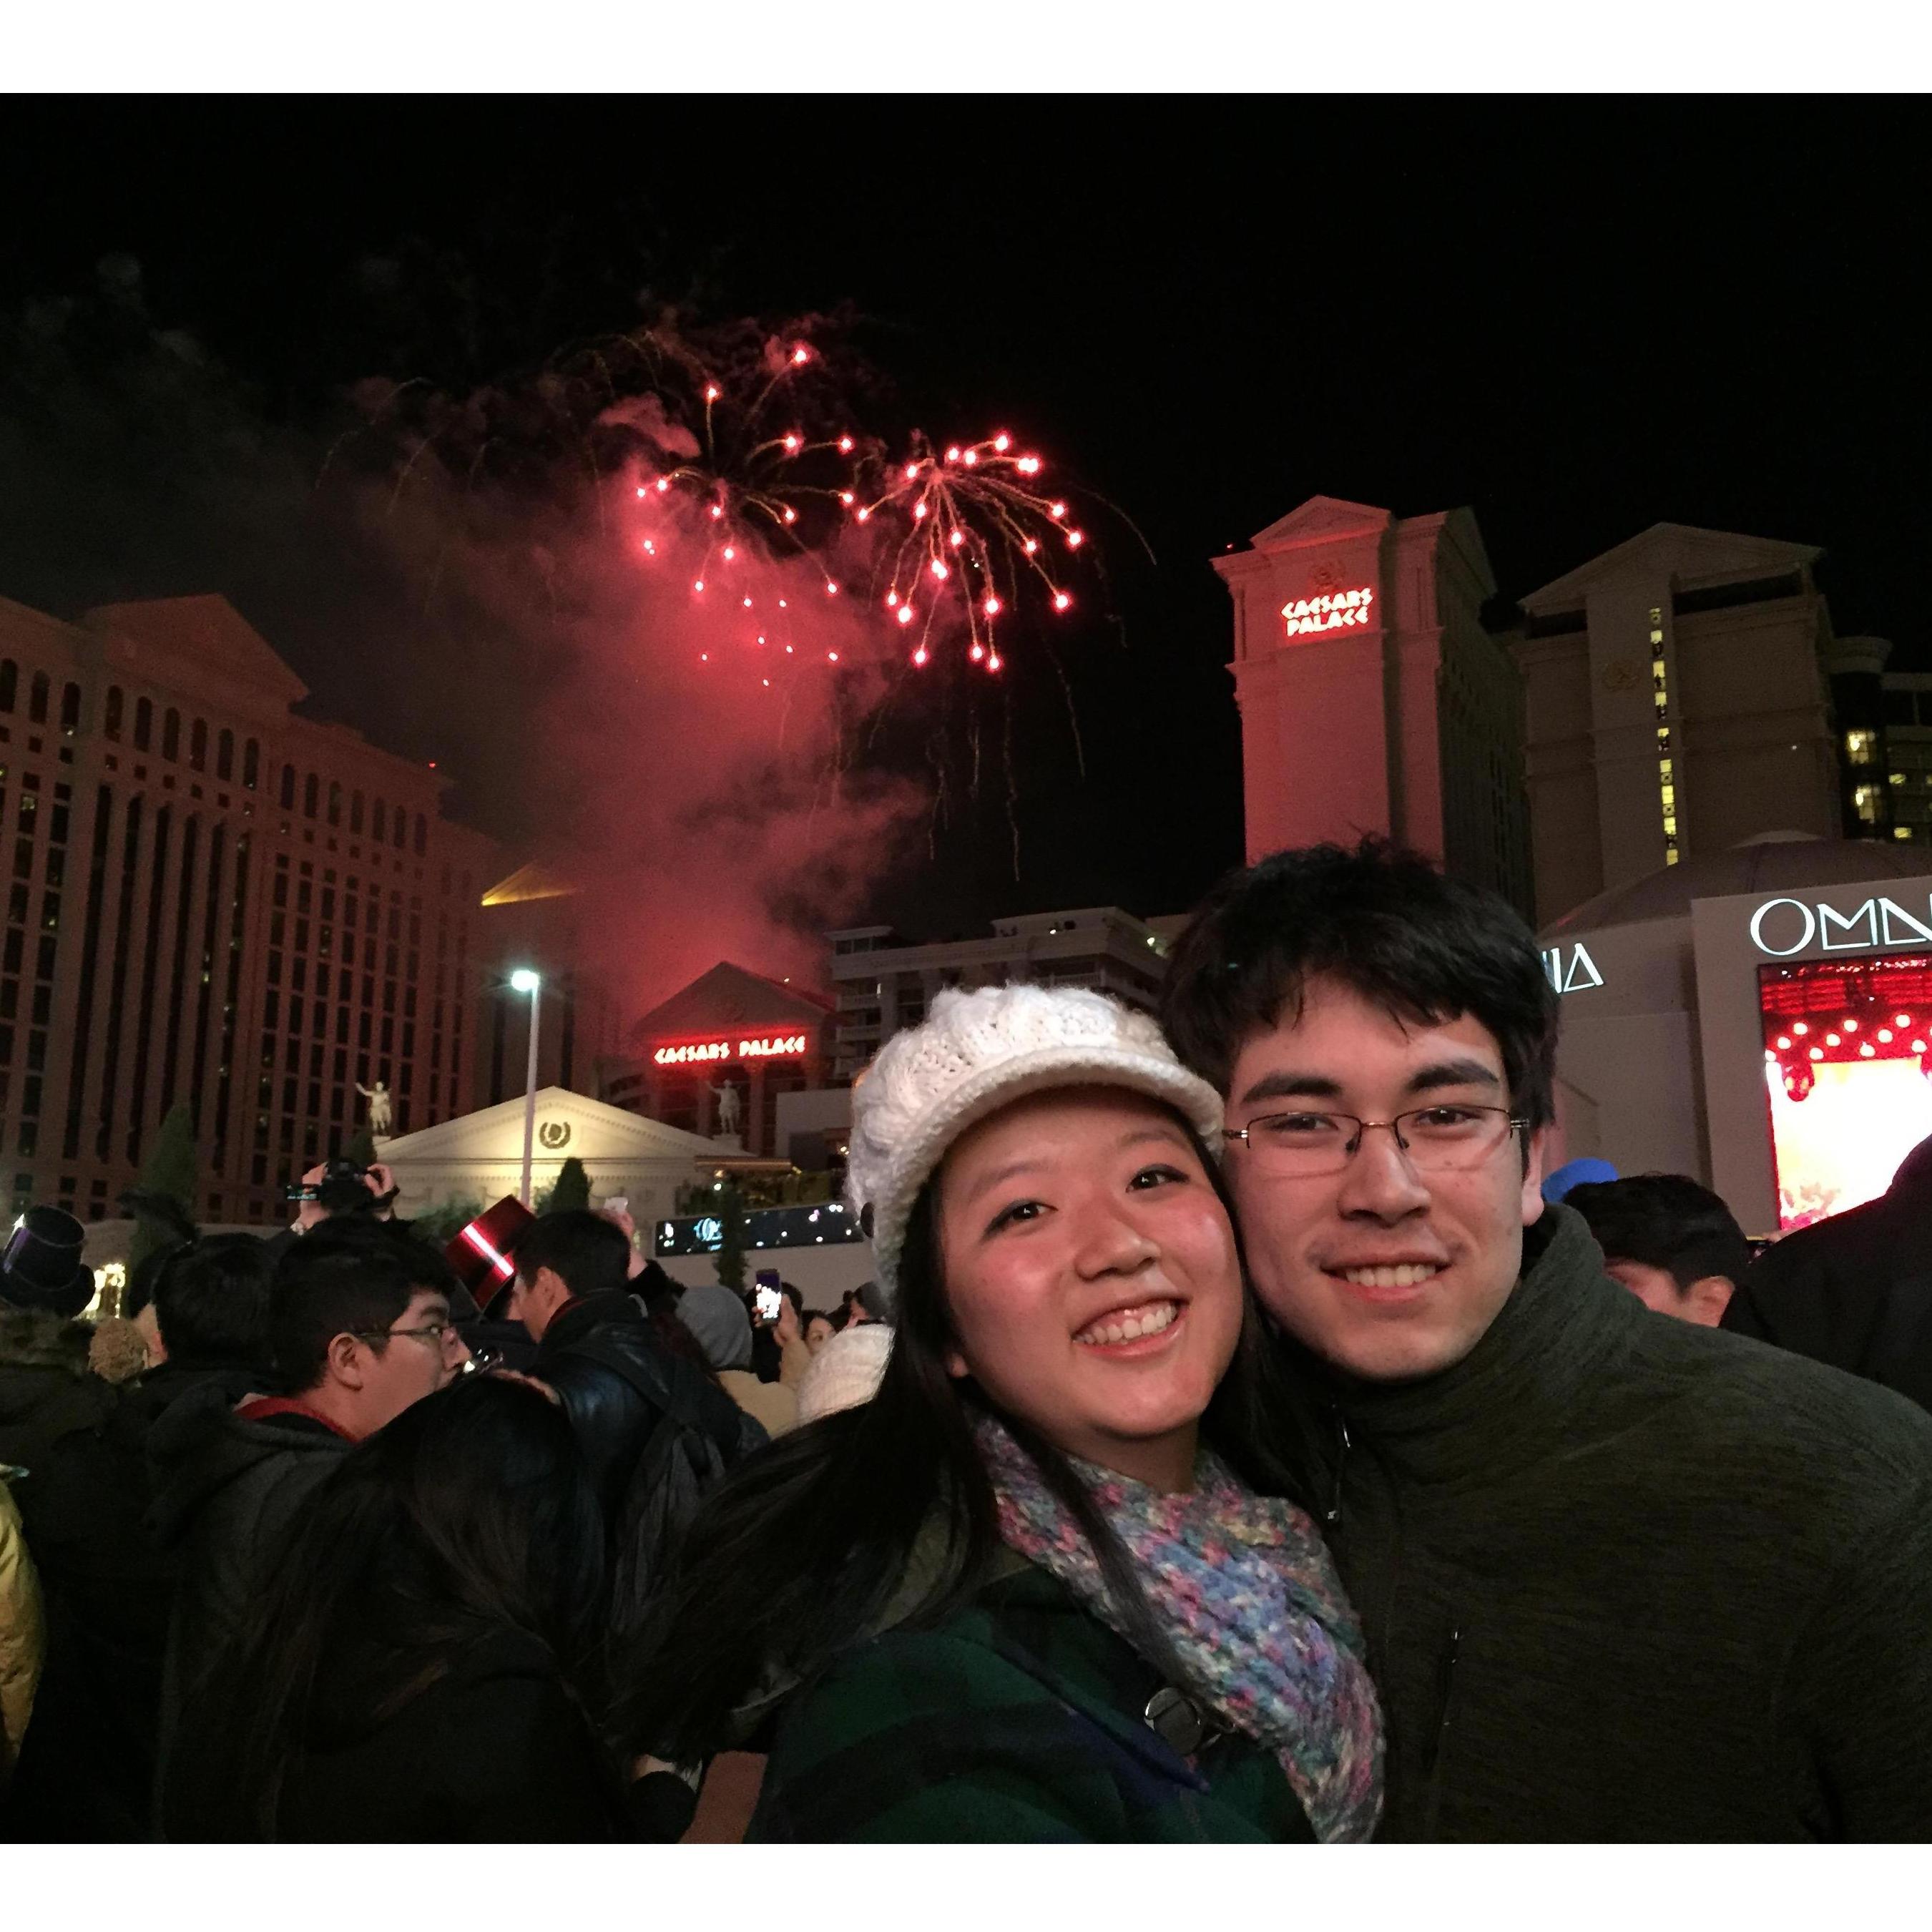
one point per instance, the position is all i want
(952, 539)
(974, 529)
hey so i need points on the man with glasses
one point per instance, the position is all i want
(1620, 1577)
(359, 1328)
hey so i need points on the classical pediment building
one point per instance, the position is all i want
(479, 1156)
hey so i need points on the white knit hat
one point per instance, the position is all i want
(977, 1051)
(845, 1373)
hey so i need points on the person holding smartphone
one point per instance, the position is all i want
(717, 1319)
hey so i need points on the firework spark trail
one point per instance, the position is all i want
(952, 535)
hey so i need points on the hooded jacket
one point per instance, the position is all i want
(88, 1769)
(1622, 1577)
(45, 1387)
(226, 1491)
(1856, 1290)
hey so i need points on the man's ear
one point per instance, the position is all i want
(1706, 1299)
(1535, 1154)
(343, 1361)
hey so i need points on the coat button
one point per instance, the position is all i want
(1173, 1719)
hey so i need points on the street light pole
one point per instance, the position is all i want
(524, 981)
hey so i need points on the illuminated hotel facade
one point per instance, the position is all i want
(1372, 698)
(215, 901)
(1677, 700)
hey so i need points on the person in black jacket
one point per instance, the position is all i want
(87, 1769)
(419, 1666)
(597, 1351)
(1854, 1290)
(360, 1328)
(1622, 1578)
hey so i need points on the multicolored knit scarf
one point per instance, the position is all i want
(1248, 1596)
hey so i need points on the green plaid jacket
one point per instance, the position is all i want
(1019, 1719)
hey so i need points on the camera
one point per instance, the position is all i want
(343, 1189)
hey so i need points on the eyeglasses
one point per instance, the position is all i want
(1434, 1140)
(482, 1361)
(437, 1334)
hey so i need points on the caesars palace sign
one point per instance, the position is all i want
(767, 1047)
(1332, 611)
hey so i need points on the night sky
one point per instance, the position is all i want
(1578, 318)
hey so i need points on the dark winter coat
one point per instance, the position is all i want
(1020, 1718)
(495, 1752)
(88, 1770)
(227, 1491)
(613, 1419)
(1623, 1577)
(45, 1389)
(1855, 1290)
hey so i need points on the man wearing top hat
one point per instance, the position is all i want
(45, 1388)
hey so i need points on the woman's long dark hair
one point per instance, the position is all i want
(470, 1514)
(801, 1552)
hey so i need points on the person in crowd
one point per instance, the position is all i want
(359, 1328)
(655, 1431)
(846, 1372)
(109, 1582)
(1669, 1240)
(420, 1665)
(46, 1388)
(1854, 1290)
(1623, 1579)
(717, 1318)
(820, 1327)
(1025, 1592)
(21, 1632)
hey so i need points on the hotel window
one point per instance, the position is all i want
(171, 735)
(1666, 774)
(1865, 803)
(1862, 747)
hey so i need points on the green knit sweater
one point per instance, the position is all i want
(1625, 1578)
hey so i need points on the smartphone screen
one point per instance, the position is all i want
(770, 1295)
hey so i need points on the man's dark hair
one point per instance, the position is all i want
(211, 1301)
(1666, 1221)
(588, 1254)
(352, 1277)
(1385, 921)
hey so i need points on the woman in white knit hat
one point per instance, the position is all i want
(1047, 1583)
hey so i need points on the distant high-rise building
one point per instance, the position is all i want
(1677, 704)
(884, 983)
(1372, 698)
(217, 901)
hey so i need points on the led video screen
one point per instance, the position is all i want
(1846, 1053)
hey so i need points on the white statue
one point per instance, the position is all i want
(727, 1109)
(379, 1117)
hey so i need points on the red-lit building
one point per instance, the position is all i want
(728, 1029)
(214, 901)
